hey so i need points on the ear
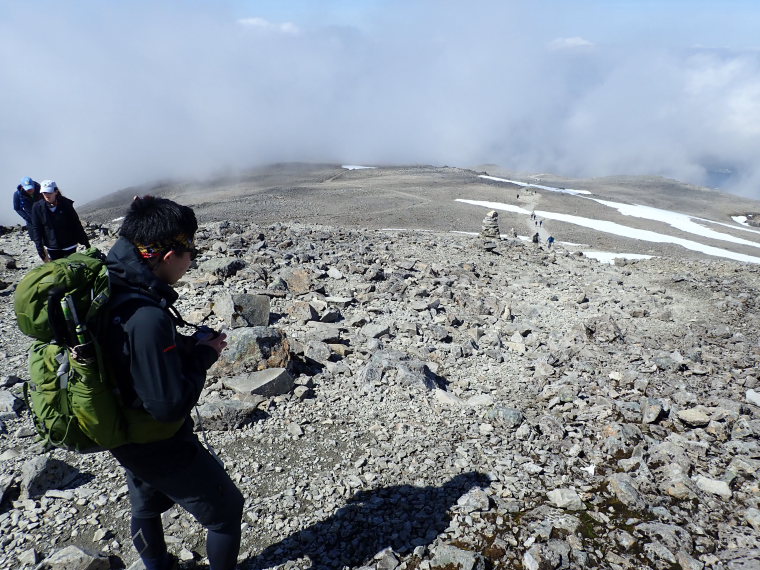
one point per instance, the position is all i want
(169, 256)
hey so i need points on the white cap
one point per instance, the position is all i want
(48, 186)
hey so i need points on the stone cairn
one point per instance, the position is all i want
(490, 227)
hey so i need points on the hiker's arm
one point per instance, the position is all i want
(167, 382)
(18, 207)
(37, 231)
(83, 239)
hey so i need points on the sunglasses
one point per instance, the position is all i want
(194, 251)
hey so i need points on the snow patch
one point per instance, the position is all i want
(526, 184)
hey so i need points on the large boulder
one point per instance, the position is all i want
(298, 281)
(269, 382)
(43, 473)
(242, 310)
(222, 266)
(75, 558)
(253, 348)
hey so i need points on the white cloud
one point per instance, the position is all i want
(569, 43)
(166, 91)
(261, 23)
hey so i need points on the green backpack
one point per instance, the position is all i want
(73, 401)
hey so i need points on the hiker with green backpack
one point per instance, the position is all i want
(160, 374)
(110, 371)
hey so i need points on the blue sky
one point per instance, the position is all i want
(100, 96)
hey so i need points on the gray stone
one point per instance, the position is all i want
(553, 554)
(242, 310)
(324, 332)
(676, 483)
(317, 351)
(480, 401)
(341, 302)
(9, 403)
(75, 558)
(7, 261)
(222, 267)
(9, 381)
(752, 516)
(391, 366)
(753, 397)
(269, 382)
(566, 499)
(686, 562)
(28, 557)
(509, 417)
(476, 499)
(298, 281)
(694, 417)
(621, 485)
(714, 487)
(42, 473)
(6, 482)
(228, 414)
(224, 308)
(740, 558)
(253, 348)
(375, 330)
(302, 311)
(671, 537)
(447, 398)
(651, 410)
(447, 556)
(253, 310)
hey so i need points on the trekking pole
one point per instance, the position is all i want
(79, 328)
(69, 320)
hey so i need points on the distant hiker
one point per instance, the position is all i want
(160, 374)
(26, 194)
(535, 237)
(550, 241)
(56, 229)
(541, 223)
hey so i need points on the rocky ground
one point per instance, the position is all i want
(435, 401)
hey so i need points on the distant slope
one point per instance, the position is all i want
(425, 197)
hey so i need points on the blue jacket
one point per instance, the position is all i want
(23, 202)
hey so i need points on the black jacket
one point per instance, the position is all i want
(157, 369)
(56, 230)
(23, 202)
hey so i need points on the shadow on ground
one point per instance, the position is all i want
(401, 517)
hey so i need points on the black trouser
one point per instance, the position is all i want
(181, 471)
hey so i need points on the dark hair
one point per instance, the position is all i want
(157, 220)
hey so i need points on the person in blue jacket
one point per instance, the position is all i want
(56, 229)
(26, 194)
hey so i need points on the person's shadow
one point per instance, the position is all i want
(401, 517)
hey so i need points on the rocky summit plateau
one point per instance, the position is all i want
(412, 383)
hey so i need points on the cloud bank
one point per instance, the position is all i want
(101, 96)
